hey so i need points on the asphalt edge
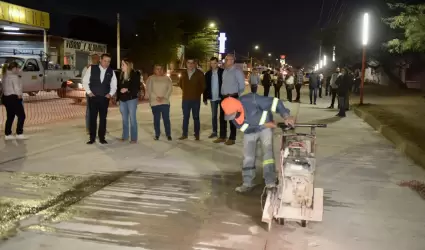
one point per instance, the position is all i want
(60, 202)
(404, 145)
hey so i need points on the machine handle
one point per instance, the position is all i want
(283, 126)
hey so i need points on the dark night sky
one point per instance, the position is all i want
(279, 27)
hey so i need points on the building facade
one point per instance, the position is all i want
(77, 53)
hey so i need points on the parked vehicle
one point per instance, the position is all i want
(35, 75)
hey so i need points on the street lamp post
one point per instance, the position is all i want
(365, 36)
(324, 60)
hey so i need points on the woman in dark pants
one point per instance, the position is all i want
(12, 100)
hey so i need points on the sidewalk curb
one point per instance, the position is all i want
(407, 147)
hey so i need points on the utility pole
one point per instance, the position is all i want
(118, 42)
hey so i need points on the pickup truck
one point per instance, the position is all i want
(35, 77)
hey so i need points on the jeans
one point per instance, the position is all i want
(214, 112)
(342, 103)
(250, 148)
(194, 107)
(333, 94)
(223, 122)
(164, 111)
(313, 95)
(14, 107)
(128, 111)
(277, 91)
(98, 107)
(266, 89)
(87, 113)
(254, 88)
(289, 93)
(298, 90)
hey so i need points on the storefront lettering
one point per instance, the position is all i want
(85, 46)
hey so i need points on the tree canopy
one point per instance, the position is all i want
(411, 24)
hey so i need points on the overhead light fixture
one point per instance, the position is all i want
(10, 28)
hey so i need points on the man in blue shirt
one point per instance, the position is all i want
(233, 86)
(212, 92)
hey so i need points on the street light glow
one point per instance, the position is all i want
(365, 30)
(257, 47)
(270, 54)
(324, 60)
(321, 64)
(212, 25)
(333, 55)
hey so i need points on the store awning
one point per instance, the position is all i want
(14, 16)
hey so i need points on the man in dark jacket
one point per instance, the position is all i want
(100, 84)
(267, 82)
(343, 82)
(313, 84)
(212, 92)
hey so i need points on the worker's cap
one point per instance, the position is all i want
(231, 106)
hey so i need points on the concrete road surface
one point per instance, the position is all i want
(180, 195)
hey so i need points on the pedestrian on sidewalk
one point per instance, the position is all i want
(343, 82)
(254, 80)
(279, 83)
(94, 61)
(267, 82)
(213, 83)
(128, 98)
(192, 83)
(100, 84)
(289, 84)
(11, 87)
(233, 86)
(253, 115)
(320, 84)
(160, 87)
(334, 87)
(299, 81)
(313, 83)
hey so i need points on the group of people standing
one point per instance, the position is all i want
(337, 84)
(101, 84)
(291, 80)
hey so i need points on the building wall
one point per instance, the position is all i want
(77, 53)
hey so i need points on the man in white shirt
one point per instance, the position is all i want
(100, 84)
(94, 61)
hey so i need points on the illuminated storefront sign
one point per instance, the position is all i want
(222, 39)
(21, 15)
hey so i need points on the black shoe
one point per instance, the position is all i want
(156, 138)
(330, 107)
(103, 141)
(196, 137)
(90, 142)
(314, 103)
(169, 138)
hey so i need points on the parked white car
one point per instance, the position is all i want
(35, 77)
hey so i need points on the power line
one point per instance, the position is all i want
(321, 12)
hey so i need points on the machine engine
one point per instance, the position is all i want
(298, 172)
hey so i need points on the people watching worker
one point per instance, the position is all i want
(253, 115)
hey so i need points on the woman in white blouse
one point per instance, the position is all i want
(289, 84)
(12, 100)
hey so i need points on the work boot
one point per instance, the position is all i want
(271, 185)
(213, 135)
(219, 140)
(229, 142)
(244, 188)
(183, 138)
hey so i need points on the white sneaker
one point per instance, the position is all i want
(21, 137)
(9, 137)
